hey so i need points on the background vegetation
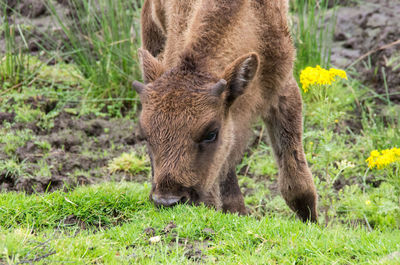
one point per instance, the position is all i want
(88, 77)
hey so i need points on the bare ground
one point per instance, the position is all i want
(81, 148)
(367, 37)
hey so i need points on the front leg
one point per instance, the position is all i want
(284, 124)
(232, 197)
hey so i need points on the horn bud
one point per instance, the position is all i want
(218, 88)
(139, 87)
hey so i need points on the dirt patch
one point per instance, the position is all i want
(194, 249)
(37, 28)
(367, 37)
(5, 116)
(72, 220)
(68, 151)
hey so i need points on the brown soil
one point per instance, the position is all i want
(37, 27)
(81, 148)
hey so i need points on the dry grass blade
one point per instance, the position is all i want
(384, 47)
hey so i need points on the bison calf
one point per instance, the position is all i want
(211, 68)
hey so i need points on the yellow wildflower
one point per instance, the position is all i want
(319, 76)
(336, 121)
(367, 202)
(383, 158)
(337, 72)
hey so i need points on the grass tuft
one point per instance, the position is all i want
(131, 163)
(102, 42)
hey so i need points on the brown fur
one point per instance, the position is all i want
(188, 47)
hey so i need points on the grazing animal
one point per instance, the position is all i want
(211, 68)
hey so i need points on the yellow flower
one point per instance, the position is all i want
(383, 158)
(336, 121)
(337, 72)
(319, 76)
(367, 202)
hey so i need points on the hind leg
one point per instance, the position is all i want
(284, 123)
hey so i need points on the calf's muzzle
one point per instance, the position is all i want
(167, 200)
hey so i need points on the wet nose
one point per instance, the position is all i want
(166, 200)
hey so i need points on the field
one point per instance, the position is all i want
(75, 176)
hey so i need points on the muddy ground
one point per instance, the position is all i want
(81, 146)
(78, 151)
(367, 38)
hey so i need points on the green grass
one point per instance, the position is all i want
(131, 163)
(14, 64)
(102, 41)
(10, 168)
(116, 216)
(12, 140)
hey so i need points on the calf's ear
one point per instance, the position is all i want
(151, 67)
(238, 75)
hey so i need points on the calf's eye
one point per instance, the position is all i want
(210, 137)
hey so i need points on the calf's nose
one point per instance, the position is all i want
(166, 200)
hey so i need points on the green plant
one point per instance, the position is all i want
(12, 169)
(43, 170)
(15, 139)
(260, 163)
(387, 162)
(26, 114)
(44, 145)
(131, 163)
(378, 208)
(14, 66)
(102, 42)
(313, 32)
(394, 61)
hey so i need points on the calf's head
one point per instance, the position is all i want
(186, 122)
